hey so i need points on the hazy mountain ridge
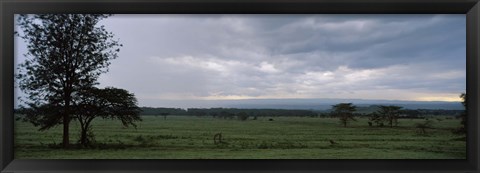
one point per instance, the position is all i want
(313, 104)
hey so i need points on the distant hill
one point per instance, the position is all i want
(308, 104)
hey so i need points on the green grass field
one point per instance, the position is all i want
(182, 137)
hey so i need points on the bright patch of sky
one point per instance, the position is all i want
(390, 57)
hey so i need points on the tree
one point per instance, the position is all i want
(344, 111)
(427, 124)
(66, 54)
(390, 114)
(108, 103)
(411, 113)
(165, 114)
(377, 119)
(463, 128)
(214, 114)
(242, 116)
(225, 114)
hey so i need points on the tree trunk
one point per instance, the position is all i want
(83, 136)
(85, 140)
(66, 139)
(66, 122)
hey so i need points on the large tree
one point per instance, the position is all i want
(344, 111)
(66, 54)
(108, 103)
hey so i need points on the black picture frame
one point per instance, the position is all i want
(10, 7)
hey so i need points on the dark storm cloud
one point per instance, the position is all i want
(409, 57)
(244, 56)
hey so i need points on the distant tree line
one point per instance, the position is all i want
(226, 112)
(159, 111)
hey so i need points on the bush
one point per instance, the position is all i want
(242, 116)
(421, 127)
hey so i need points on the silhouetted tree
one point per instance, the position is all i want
(344, 111)
(242, 116)
(411, 113)
(463, 128)
(390, 114)
(165, 114)
(66, 54)
(108, 103)
(427, 124)
(377, 119)
(225, 114)
(214, 114)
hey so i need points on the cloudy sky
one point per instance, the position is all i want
(391, 57)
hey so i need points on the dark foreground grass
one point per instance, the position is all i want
(182, 137)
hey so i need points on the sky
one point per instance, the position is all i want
(215, 57)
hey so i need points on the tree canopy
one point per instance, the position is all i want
(344, 111)
(107, 103)
(463, 127)
(66, 54)
(390, 114)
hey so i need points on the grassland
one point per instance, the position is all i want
(186, 137)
